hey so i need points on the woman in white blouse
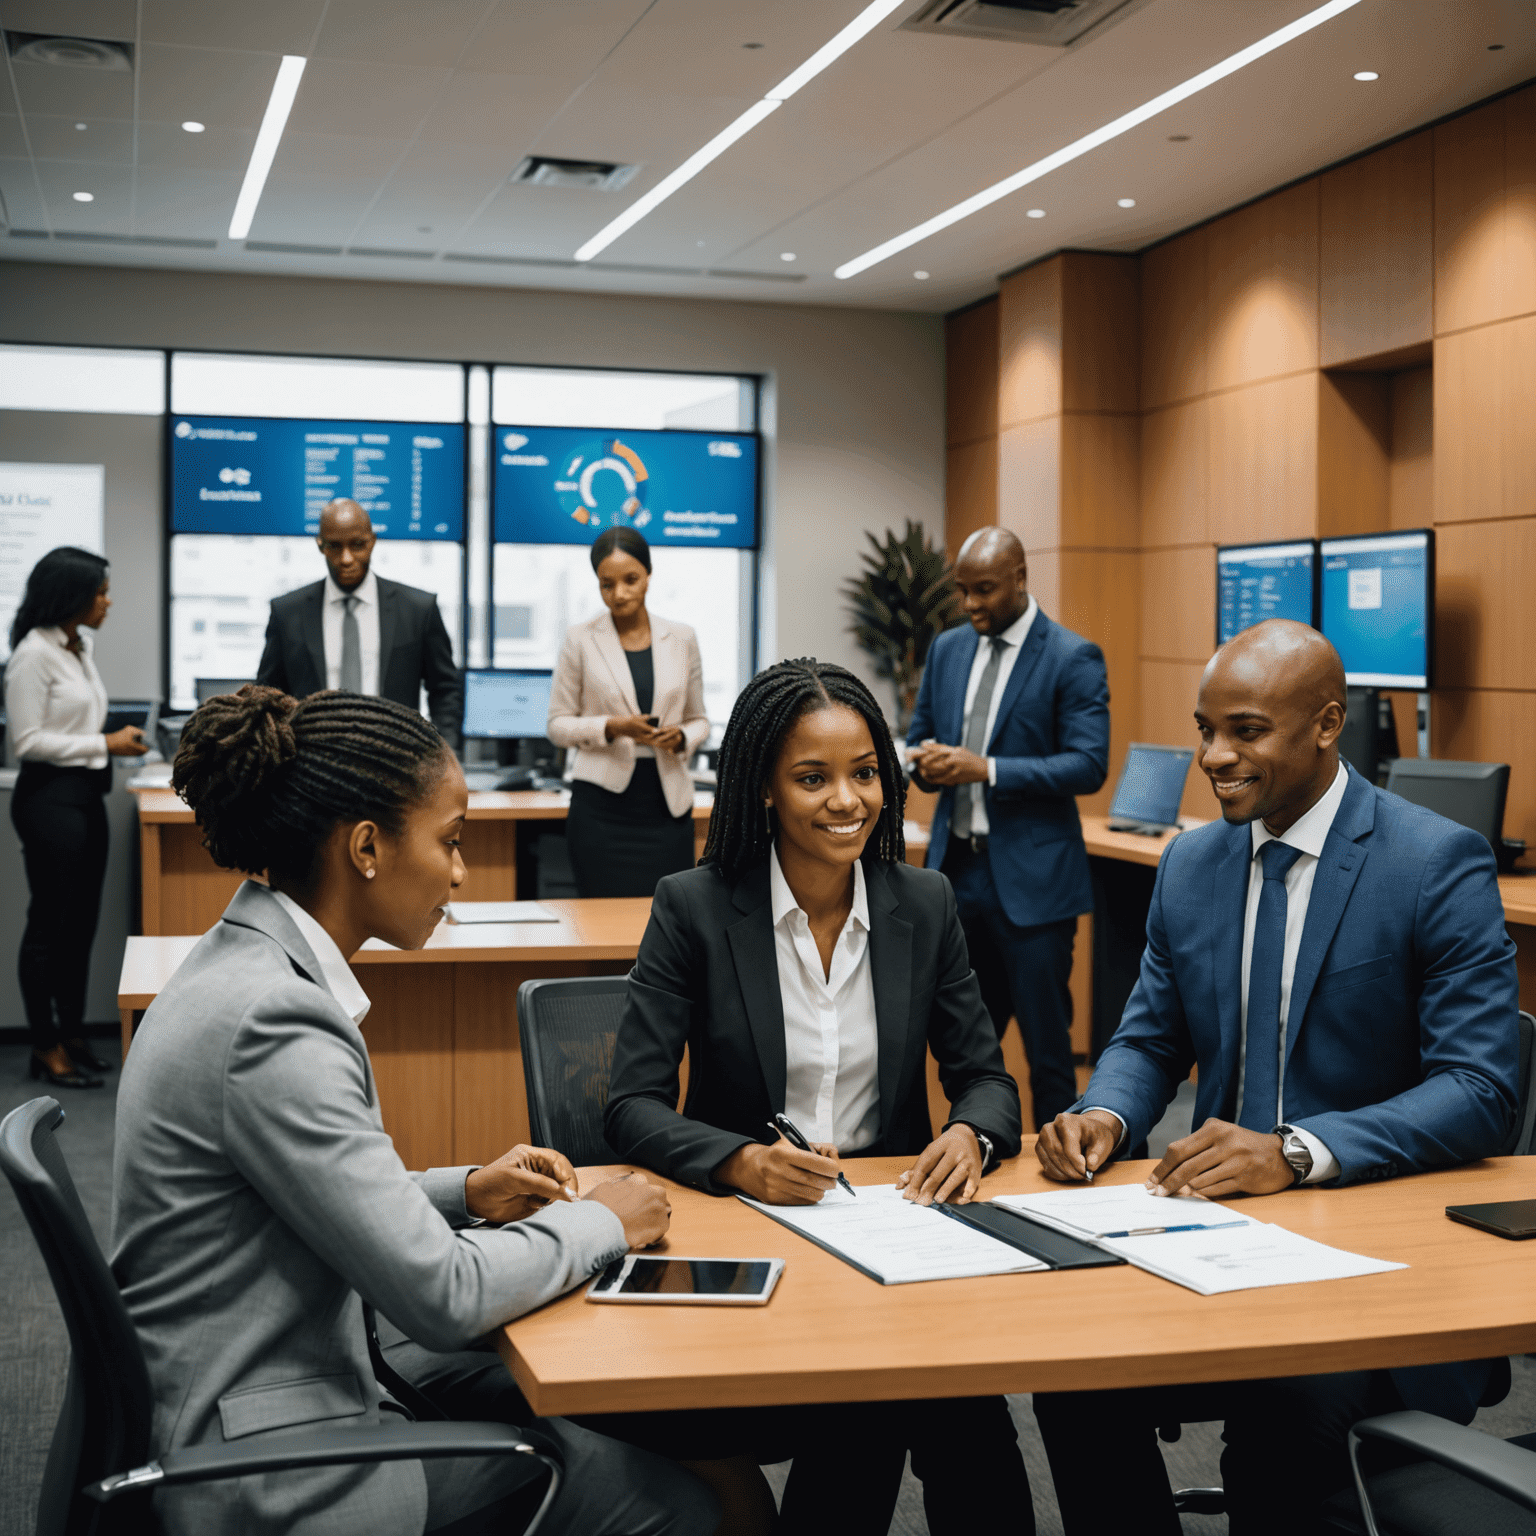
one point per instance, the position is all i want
(57, 706)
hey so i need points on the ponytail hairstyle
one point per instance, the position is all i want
(61, 586)
(269, 776)
(626, 541)
(768, 707)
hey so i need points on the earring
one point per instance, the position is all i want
(368, 874)
(768, 821)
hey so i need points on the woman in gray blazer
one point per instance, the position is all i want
(258, 1200)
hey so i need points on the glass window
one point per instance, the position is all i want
(323, 388)
(100, 379)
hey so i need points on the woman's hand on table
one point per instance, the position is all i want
(949, 1168)
(518, 1184)
(781, 1174)
(643, 1207)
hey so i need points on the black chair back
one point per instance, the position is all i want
(1522, 1135)
(106, 1419)
(568, 1029)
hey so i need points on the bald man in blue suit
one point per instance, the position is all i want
(1335, 962)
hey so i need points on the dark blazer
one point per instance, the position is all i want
(413, 649)
(1401, 1049)
(1051, 742)
(707, 977)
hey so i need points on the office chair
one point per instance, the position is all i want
(1522, 1135)
(100, 1473)
(568, 1027)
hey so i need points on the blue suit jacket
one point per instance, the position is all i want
(1051, 742)
(1402, 1044)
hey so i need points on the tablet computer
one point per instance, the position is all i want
(688, 1282)
(1504, 1218)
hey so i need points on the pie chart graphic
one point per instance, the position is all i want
(603, 485)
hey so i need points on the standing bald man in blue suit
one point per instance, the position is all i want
(1335, 961)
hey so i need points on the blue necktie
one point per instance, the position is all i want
(1261, 1058)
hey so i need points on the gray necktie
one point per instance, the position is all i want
(976, 737)
(351, 648)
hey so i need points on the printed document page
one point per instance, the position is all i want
(1091, 1213)
(500, 912)
(896, 1241)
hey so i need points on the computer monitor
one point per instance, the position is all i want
(505, 703)
(1377, 602)
(206, 688)
(140, 712)
(1255, 582)
(1150, 788)
(1471, 794)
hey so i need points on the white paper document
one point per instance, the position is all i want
(1120, 1209)
(500, 912)
(896, 1241)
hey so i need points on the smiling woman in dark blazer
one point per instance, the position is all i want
(807, 969)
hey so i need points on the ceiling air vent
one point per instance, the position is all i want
(582, 175)
(71, 52)
(1052, 23)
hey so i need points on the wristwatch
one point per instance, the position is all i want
(1295, 1151)
(988, 1153)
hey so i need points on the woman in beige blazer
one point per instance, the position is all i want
(629, 696)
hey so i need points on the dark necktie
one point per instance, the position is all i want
(1261, 1058)
(351, 648)
(976, 737)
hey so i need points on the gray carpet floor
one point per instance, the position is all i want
(34, 1347)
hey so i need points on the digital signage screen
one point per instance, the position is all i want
(1378, 607)
(1255, 582)
(272, 476)
(565, 485)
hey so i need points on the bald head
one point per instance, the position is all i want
(346, 540)
(992, 579)
(1270, 710)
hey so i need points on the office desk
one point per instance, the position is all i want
(832, 1335)
(442, 1031)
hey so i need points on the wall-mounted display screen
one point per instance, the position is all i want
(1255, 582)
(1378, 607)
(565, 485)
(256, 475)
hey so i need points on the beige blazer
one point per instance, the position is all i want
(592, 683)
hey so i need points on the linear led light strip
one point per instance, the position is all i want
(279, 104)
(867, 19)
(1079, 147)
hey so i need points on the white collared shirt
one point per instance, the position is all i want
(55, 700)
(333, 610)
(334, 970)
(1013, 638)
(831, 1041)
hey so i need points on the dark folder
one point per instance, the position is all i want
(1053, 1248)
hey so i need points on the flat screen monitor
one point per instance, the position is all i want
(1378, 607)
(506, 704)
(1150, 788)
(1255, 582)
(1471, 794)
(205, 688)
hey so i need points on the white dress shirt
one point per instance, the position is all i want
(831, 1043)
(1013, 638)
(55, 701)
(334, 970)
(332, 613)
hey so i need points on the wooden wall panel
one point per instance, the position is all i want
(1410, 471)
(1029, 482)
(970, 377)
(970, 491)
(1376, 249)
(1485, 630)
(1480, 725)
(1178, 604)
(1263, 461)
(1354, 453)
(1485, 446)
(1100, 481)
(1174, 319)
(1168, 692)
(1045, 579)
(1262, 289)
(1176, 474)
(1029, 344)
(1101, 337)
(1101, 599)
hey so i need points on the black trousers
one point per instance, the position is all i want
(61, 818)
(1286, 1450)
(1025, 973)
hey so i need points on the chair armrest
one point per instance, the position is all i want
(322, 1448)
(1509, 1470)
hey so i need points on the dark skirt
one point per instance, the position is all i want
(621, 845)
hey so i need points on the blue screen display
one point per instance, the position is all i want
(564, 485)
(1258, 582)
(258, 475)
(1376, 597)
(507, 705)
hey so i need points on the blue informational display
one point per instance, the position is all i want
(564, 485)
(1255, 582)
(260, 475)
(506, 705)
(1378, 598)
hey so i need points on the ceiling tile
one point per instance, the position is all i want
(538, 221)
(319, 210)
(270, 26)
(78, 93)
(389, 100)
(216, 149)
(400, 31)
(57, 138)
(113, 19)
(180, 201)
(18, 186)
(654, 130)
(556, 40)
(306, 156)
(480, 109)
(111, 188)
(214, 86)
(13, 142)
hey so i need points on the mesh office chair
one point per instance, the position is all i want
(99, 1474)
(568, 1027)
(1522, 1135)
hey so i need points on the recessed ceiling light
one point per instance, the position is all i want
(1366, 74)
(190, 127)
(1126, 202)
(751, 45)
(1035, 213)
(1090, 141)
(279, 104)
(1495, 47)
(786, 255)
(80, 127)
(84, 197)
(1178, 138)
(922, 277)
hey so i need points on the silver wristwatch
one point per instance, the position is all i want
(1295, 1151)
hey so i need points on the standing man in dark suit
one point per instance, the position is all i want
(1335, 962)
(1012, 721)
(356, 631)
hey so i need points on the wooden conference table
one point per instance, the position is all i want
(832, 1335)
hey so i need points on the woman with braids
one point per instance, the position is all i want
(257, 1200)
(806, 968)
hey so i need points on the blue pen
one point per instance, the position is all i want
(1194, 1226)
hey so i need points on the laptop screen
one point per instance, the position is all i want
(1151, 784)
(506, 704)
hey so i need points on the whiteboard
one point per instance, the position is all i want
(41, 507)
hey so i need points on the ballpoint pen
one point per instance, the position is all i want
(1193, 1226)
(792, 1133)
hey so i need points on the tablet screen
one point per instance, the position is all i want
(687, 1277)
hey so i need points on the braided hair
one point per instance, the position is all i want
(269, 776)
(765, 712)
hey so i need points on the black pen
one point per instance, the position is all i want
(796, 1138)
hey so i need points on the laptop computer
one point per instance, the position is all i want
(1150, 789)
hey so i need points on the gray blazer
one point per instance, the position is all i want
(257, 1201)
